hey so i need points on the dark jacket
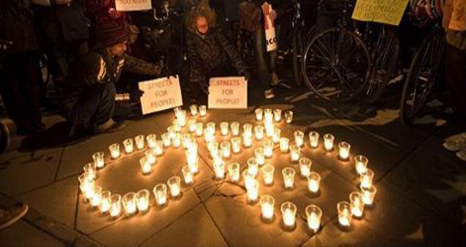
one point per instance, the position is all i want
(205, 54)
(280, 6)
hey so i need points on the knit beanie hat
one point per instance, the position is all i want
(110, 33)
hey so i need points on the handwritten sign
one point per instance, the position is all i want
(269, 26)
(133, 5)
(160, 94)
(228, 93)
(381, 11)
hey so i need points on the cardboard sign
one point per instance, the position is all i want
(160, 94)
(269, 27)
(228, 93)
(381, 11)
(133, 5)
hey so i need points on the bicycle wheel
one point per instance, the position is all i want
(336, 65)
(424, 71)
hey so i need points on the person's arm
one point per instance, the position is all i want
(196, 74)
(232, 54)
(139, 66)
(94, 69)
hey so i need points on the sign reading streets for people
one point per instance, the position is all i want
(160, 94)
(228, 93)
(133, 5)
(381, 11)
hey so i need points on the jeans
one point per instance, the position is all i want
(265, 61)
(455, 76)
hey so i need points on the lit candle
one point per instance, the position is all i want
(305, 166)
(188, 176)
(288, 177)
(253, 166)
(284, 144)
(139, 140)
(268, 115)
(114, 150)
(253, 191)
(87, 189)
(177, 140)
(366, 178)
(192, 125)
(166, 139)
(171, 131)
(313, 182)
(295, 150)
(357, 205)
(276, 135)
(99, 160)
(289, 117)
(289, 214)
(160, 193)
(142, 198)
(313, 139)
(259, 132)
(219, 168)
(202, 110)
(269, 129)
(182, 118)
(344, 150)
(105, 201)
(96, 197)
(368, 195)
(146, 166)
(193, 109)
(226, 149)
(158, 147)
(174, 183)
(314, 216)
(259, 154)
(115, 207)
(236, 144)
(90, 171)
(259, 114)
(193, 163)
(248, 178)
(344, 214)
(150, 156)
(267, 173)
(210, 126)
(299, 138)
(360, 162)
(233, 172)
(128, 144)
(224, 128)
(268, 148)
(267, 205)
(213, 148)
(328, 142)
(151, 140)
(208, 135)
(277, 115)
(247, 128)
(234, 128)
(247, 140)
(129, 203)
(199, 129)
(177, 111)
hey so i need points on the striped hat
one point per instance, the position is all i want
(110, 33)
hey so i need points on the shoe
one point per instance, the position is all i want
(455, 143)
(7, 218)
(461, 154)
(269, 94)
(109, 127)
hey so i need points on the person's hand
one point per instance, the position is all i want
(63, 2)
(273, 15)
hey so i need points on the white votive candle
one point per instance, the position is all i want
(267, 207)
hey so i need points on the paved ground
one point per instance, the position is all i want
(421, 197)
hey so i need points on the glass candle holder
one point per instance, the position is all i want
(99, 160)
(344, 214)
(192, 125)
(130, 203)
(289, 214)
(305, 166)
(247, 140)
(236, 144)
(114, 150)
(115, 205)
(267, 207)
(174, 183)
(248, 178)
(234, 128)
(150, 156)
(368, 195)
(160, 193)
(87, 189)
(158, 147)
(314, 139)
(185, 140)
(313, 182)
(360, 162)
(213, 148)
(259, 132)
(211, 127)
(146, 166)
(277, 115)
(90, 171)
(182, 118)
(299, 138)
(151, 140)
(276, 135)
(267, 173)
(199, 129)
(328, 142)
(193, 109)
(233, 172)
(288, 177)
(259, 114)
(253, 191)
(289, 117)
(166, 140)
(105, 201)
(187, 175)
(314, 217)
(142, 199)
(294, 151)
(176, 125)
(268, 148)
(344, 150)
(226, 149)
(96, 198)
(177, 140)
(224, 128)
(268, 115)
(247, 128)
(253, 166)
(219, 169)
(366, 178)
(259, 155)
(171, 131)
(357, 204)
(269, 129)
(202, 110)
(208, 136)
(284, 144)
(193, 163)
(140, 142)
(129, 145)
(177, 110)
